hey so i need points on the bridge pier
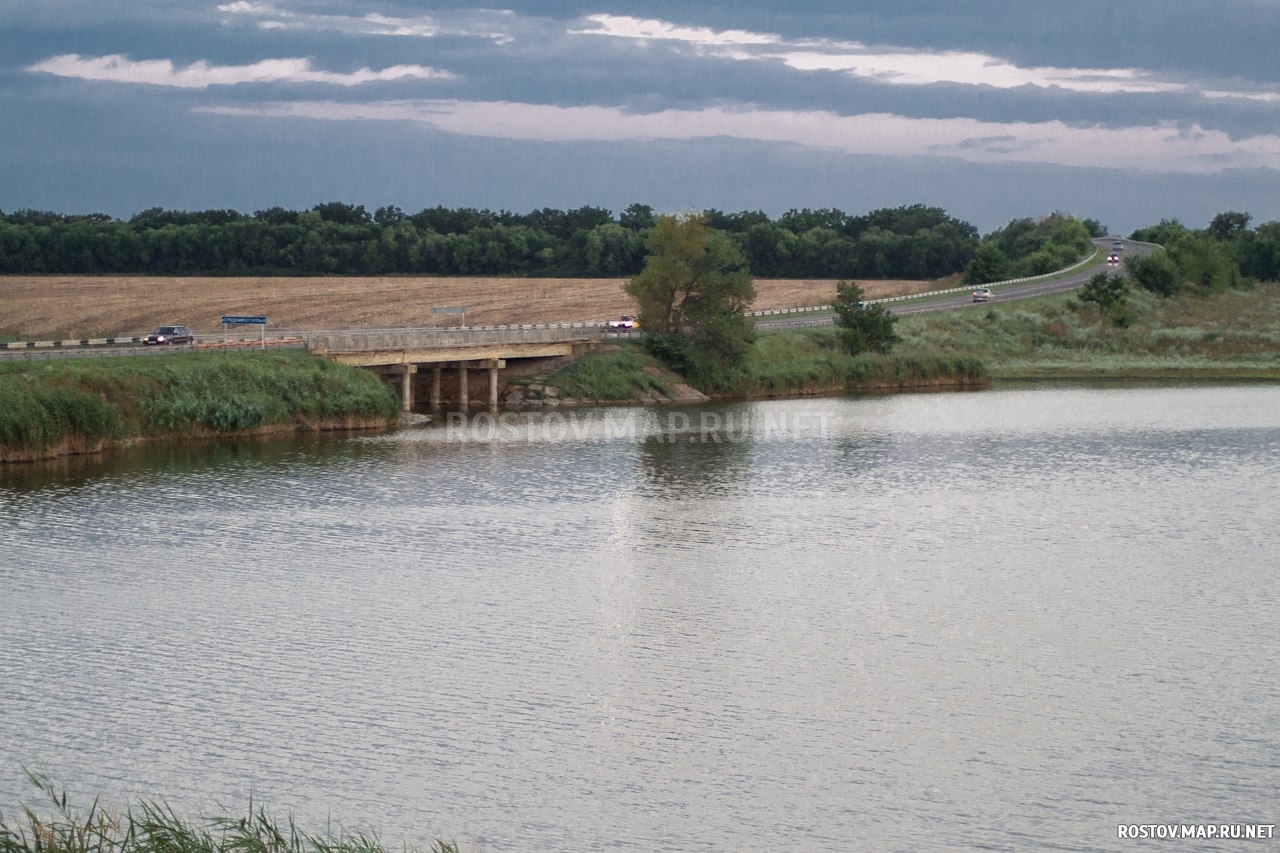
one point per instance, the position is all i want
(405, 372)
(405, 359)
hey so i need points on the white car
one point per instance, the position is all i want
(624, 323)
(982, 294)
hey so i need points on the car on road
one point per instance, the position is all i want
(165, 335)
(982, 294)
(1117, 246)
(1113, 259)
(624, 323)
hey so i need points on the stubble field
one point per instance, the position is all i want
(74, 307)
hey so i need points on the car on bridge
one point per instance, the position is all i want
(982, 294)
(625, 323)
(165, 335)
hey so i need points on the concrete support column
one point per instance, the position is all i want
(405, 372)
(435, 387)
(464, 397)
(493, 387)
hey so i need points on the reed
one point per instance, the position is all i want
(152, 827)
(81, 404)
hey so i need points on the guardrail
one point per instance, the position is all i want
(390, 338)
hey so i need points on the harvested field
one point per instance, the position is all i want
(73, 307)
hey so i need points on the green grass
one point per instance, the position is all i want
(810, 361)
(76, 405)
(152, 827)
(609, 376)
(1235, 332)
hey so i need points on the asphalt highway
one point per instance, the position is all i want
(1000, 292)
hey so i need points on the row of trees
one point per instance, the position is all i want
(1027, 247)
(1226, 254)
(915, 242)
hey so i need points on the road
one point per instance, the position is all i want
(919, 304)
(924, 303)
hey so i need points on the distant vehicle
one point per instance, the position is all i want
(1113, 259)
(164, 335)
(1117, 246)
(982, 294)
(624, 323)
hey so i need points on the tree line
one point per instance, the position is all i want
(911, 242)
(1228, 253)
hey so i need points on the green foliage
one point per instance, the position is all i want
(1107, 293)
(153, 827)
(989, 264)
(1204, 261)
(812, 361)
(1155, 272)
(1231, 332)
(693, 294)
(1033, 247)
(78, 403)
(36, 417)
(339, 238)
(608, 376)
(1163, 233)
(863, 327)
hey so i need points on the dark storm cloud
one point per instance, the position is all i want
(277, 95)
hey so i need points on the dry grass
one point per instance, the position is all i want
(73, 307)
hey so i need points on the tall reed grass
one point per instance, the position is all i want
(152, 827)
(81, 404)
(811, 361)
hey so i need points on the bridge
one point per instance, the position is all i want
(401, 355)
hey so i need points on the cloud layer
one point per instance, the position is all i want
(936, 82)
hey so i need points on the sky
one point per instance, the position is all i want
(1123, 111)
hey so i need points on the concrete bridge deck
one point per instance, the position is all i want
(400, 354)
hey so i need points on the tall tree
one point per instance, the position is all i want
(693, 294)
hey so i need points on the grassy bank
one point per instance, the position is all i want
(82, 405)
(781, 364)
(809, 361)
(151, 827)
(1231, 334)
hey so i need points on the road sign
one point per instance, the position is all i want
(244, 321)
(448, 310)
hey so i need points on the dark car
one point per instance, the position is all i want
(169, 335)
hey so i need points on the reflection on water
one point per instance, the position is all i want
(1005, 619)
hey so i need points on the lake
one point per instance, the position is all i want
(1010, 619)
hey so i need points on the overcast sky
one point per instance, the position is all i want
(1128, 112)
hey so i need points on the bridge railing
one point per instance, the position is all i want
(356, 340)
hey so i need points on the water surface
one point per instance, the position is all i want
(1009, 619)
